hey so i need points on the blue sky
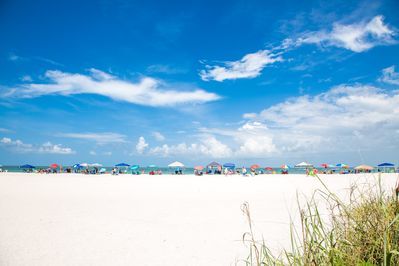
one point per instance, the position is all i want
(145, 82)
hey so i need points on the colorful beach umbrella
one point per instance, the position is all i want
(284, 166)
(122, 165)
(342, 165)
(386, 165)
(255, 166)
(27, 166)
(134, 167)
(199, 168)
(269, 168)
(364, 167)
(77, 166)
(324, 165)
(176, 164)
(54, 165)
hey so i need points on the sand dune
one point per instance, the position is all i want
(73, 219)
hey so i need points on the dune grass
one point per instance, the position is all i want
(363, 231)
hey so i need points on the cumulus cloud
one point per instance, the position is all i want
(141, 145)
(357, 37)
(250, 66)
(147, 91)
(208, 146)
(100, 138)
(390, 76)
(158, 136)
(48, 147)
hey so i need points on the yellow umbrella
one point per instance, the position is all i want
(364, 167)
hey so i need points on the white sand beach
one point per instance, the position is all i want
(74, 219)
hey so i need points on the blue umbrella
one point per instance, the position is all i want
(77, 166)
(27, 166)
(386, 165)
(135, 167)
(103, 170)
(341, 165)
(229, 165)
(122, 165)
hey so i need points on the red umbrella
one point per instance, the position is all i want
(54, 165)
(269, 168)
(199, 168)
(324, 165)
(255, 166)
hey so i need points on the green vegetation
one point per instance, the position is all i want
(364, 231)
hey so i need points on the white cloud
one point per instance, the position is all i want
(390, 76)
(93, 153)
(147, 91)
(48, 147)
(141, 145)
(357, 37)
(250, 66)
(208, 146)
(26, 78)
(158, 136)
(100, 138)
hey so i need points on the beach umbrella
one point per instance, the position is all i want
(199, 168)
(255, 166)
(386, 165)
(134, 167)
(229, 165)
(342, 165)
(284, 166)
(54, 165)
(364, 167)
(152, 166)
(102, 170)
(269, 168)
(77, 166)
(27, 166)
(84, 165)
(95, 165)
(303, 165)
(325, 165)
(176, 164)
(122, 165)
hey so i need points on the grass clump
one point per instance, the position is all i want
(362, 231)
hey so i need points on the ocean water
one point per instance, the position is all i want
(166, 170)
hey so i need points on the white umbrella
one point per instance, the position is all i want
(176, 164)
(303, 165)
(84, 164)
(95, 165)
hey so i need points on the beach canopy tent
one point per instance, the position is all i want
(214, 165)
(255, 166)
(122, 165)
(176, 164)
(303, 165)
(134, 167)
(27, 166)
(386, 165)
(199, 168)
(364, 167)
(284, 166)
(229, 165)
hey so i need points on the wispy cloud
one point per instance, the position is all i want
(165, 69)
(100, 138)
(250, 66)
(390, 76)
(357, 37)
(147, 91)
(158, 136)
(141, 145)
(48, 147)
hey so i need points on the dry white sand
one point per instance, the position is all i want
(73, 219)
